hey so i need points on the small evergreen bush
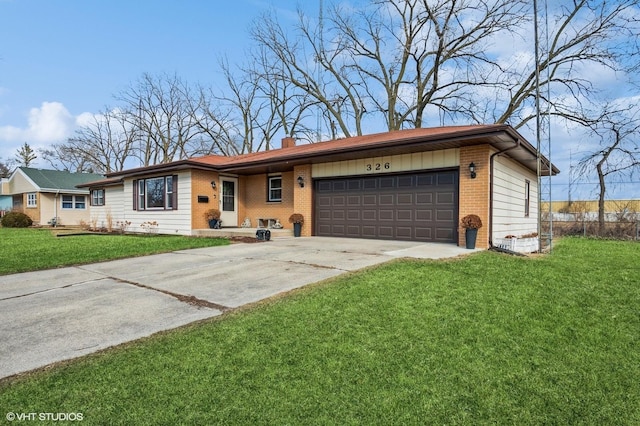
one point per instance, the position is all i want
(16, 220)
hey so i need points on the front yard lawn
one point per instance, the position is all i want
(488, 339)
(29, 249)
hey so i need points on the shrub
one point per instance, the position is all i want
(16, 220)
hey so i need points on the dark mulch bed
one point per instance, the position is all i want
(245, 240)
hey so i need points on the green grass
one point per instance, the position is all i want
(489, 339)
(33, 249)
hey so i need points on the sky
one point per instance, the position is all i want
(63, 60)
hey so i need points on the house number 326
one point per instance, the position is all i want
(378, 166)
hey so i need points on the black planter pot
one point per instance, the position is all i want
(214, 224)
(470, 236)
(297, 229)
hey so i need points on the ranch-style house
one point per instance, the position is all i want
(403, 185)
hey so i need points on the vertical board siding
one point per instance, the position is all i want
(396, 163)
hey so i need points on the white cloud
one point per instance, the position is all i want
(48, 124)
(52, 122)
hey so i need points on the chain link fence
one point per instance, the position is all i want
(617, 229)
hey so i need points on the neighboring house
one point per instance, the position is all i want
(6, 201)
(405, 185)
(47, 194)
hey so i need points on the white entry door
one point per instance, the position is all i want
(229, 201)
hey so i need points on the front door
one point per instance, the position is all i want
(229, 201)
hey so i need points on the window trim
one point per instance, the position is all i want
(527, 198)
(169, 198)
(97, 201)
(271, 188)
(74, 201)
(32, 200)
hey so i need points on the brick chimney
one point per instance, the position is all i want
(288, 142)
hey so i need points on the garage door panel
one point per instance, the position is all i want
(424, 234)
(386, 200)
(445, 215)
(338, 230)
(369, 232)
(385, 232)
(405, 181)
(444, 234)
(424, 180)
(404, 215)
(404, 233)
(353, 231)
(369, 215)
(386, 215)
(387, 183)
(424, 198)
(414, 206)
(324, 229)
(339, 185)
(323, 215)
(447, 198)
(369, 200)
(323, 201)
(424, 215)
(354, 200)
(324, 186)
(404, 199)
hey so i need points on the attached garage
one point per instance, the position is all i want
(417, 206)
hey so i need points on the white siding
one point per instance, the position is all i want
(509, 199)
(114, 207)
(119, 203)
(389, 164)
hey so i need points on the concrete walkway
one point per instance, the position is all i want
(54, 315)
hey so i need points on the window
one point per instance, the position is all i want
(32, 199)
(157, 193)
(527, 192)
(97, 197)
(80, 202)
(67, 201)
(74, 202)
(275, 188)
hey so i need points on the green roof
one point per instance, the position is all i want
(57, 179)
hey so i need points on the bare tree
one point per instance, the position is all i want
(582, 34)
(158, 108)
(403, 61)
(391, 60)
(25, 155)
(618, 153)
(103, 145)
(256, 107)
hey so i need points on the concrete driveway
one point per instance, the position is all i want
(54, 315)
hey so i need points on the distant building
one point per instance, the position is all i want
(615, 210)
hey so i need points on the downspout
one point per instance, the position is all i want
(55, 208)
(517, 144)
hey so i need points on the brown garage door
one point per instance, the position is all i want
(417, 207)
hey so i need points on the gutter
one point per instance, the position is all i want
(491, 166)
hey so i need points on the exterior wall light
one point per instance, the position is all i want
(301, 181)
(472, 170)
(213, 185)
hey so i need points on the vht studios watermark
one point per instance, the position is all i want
(52, 417)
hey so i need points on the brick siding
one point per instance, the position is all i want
(474, 193)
